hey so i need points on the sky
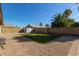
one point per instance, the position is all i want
(22, 14)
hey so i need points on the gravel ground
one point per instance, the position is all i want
(59, 47)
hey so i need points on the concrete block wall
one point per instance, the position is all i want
(9, 30)
(65, 31)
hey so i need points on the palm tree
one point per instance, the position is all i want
(57, 20)
(62, 20)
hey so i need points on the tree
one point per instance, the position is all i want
(68, 23)
(47, 25)
(57, 20)
(76, 24)
(41, 24)
(62, 20)
(67, 13)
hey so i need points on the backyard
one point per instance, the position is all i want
(56, 28)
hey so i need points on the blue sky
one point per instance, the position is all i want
(33, 13)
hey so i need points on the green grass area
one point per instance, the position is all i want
(41, 38)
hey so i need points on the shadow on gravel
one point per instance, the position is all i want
(40, 38)
(21, 39)
(67, 38)
(60, 39)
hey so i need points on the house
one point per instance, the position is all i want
(28, 29)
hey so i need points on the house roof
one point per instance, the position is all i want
(29, 26)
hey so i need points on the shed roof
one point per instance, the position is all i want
(29, 26)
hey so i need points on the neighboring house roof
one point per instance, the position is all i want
(29, 26)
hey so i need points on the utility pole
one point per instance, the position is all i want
(1, 17)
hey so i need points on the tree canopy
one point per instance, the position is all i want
(47, 25)
(63, 20)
